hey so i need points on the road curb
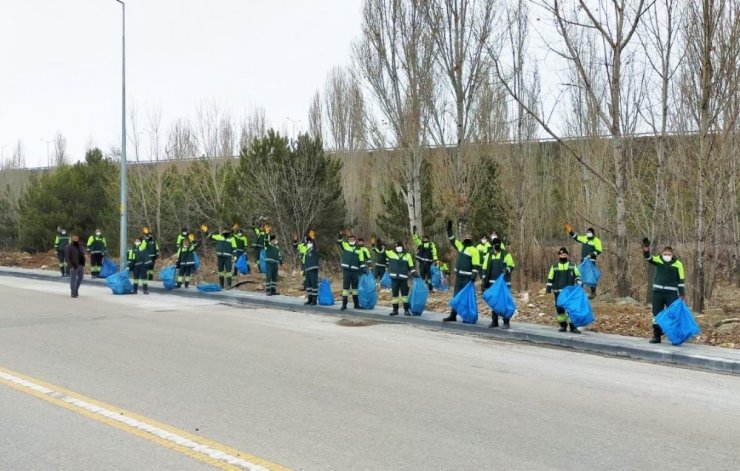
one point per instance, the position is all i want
(694, 356)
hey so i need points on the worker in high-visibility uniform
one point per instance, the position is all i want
(225, 247)
(591, 248)
(562, 274)
(310, 264)
(484, 246)
(153, 247)
(61, 241)
(259, 241)
(496, 262)
(468, 264)
(97, 248)
(368, 259)
(241, 245)
(668, 282)
(181, 237)
(301, 248)
(380, 259)
(273, 259)
(400, 267)
(426, 255)
(186, 261)
(353, 263)
(138, 259)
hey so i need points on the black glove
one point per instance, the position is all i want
(414, 229)
(646, 242)
(177, 265)
(449, 226)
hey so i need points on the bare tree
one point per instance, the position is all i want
(253, 126)
(615, 23)
(315, 117)
(181, 141)
(345, 110)
(709, 95)
(461, 31)
(395, 57)
(60, 150)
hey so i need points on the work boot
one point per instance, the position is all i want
(657, 333)
(136, 288)
(395, 310)
(563, 327)
(228, 282)
(406, 311)
(314, 299)
(356, 301)
(61, 269)
(494, 320)
(593, 293)
(221, 282)
(451, 318)
(308, 300)
(506, 324)
(275, 292)
(574, 329)
(146, 289)
(178, 285)
(344, 303)
(187, 284)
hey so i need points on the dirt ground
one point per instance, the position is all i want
(623, 316)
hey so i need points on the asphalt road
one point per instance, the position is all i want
(308, 393)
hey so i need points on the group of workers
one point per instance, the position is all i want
(488, 260)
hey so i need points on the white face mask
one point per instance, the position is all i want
(97, 233)
(483, 241)
(137, 243)
(667, 258)
(309, 245)
(352, 242)
(185, 233)
(399, 249)
(64, 232)
(589, 234)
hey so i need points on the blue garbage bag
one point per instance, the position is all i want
(167, 275)
(119, 283)
(436, 277)
(590, 273)
(575, 302)
(208, 287)
(196, 262)
(418, 296)
(439, 280)
(385, 281)
(241, 265)
(465, 304)
(108, 268)
(677, 322)
(326, 297)
(366, 291)
(499, 298)
(262, 261)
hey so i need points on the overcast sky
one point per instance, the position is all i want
(61, 63)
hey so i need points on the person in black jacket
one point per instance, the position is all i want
(74, 257)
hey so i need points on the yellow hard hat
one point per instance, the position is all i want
(145, 230)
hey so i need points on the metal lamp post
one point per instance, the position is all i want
(123, 240)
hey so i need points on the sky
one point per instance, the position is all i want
(61, 63)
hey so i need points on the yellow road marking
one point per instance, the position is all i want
(60, 397)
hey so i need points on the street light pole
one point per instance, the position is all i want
(123, 239)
